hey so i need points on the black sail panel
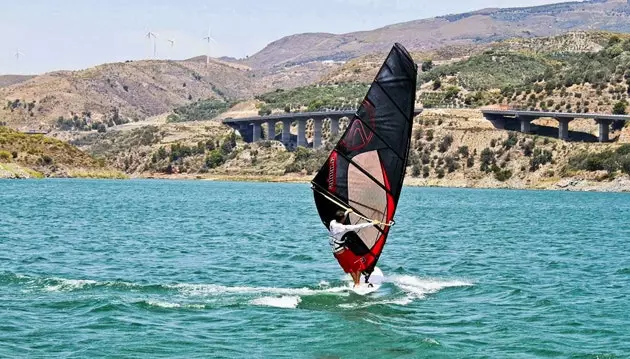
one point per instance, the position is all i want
(365, 170)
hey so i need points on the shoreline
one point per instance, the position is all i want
(619, 184)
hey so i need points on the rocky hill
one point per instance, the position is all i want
(476, 27)
(132, 91)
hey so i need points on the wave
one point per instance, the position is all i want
(418, 287)
(409, 287)
(171, 305)
(281, 302)
(215, 289)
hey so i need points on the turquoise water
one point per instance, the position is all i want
(203, 269)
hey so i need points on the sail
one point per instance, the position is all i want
(365, 170)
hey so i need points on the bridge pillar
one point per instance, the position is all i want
(334, 126)
(301, 137)
(563, 127)
(271, 130)
(286, 131)
(604, 129)
(257, 130)
(317, 132)
(244, 131)
(525, 123)
(497, 121)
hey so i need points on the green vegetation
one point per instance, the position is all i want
(493, 69)
(85, 123)
(316, 97)
(526, 79)
(37, 153)
(199, 111)
(308, 160)
(610, 161)
(539, 158)
(620, 108)
(5, 156)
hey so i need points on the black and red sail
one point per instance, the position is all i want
(365, 170)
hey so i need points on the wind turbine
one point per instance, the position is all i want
(152, 35)
(171, 41)
(209, 38)
(18, 54)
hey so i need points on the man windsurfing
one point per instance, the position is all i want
(366, 168)
(338, 232)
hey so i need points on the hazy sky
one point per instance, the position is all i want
(75, 34)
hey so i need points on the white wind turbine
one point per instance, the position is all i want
(171, 41)
(18, 53)
(209, 38)
(153, 36)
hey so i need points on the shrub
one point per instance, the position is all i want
(539, 158)
(487, 158)
(415, 170)
(528, 148)
(502, 175)
(440, 173)
(470, 162)
(214, 159)
(45, 160)
(463, 150)
(510, 141)
(429, 135)
(5, 156)
(425, 171)
(445, 143)
(424, 158)
(620, 108)
(451, 165)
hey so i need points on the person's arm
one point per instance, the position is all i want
(357, 227)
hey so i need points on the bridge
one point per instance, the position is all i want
(250, 128)
(502, 119)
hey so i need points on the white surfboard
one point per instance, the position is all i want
(376, 280)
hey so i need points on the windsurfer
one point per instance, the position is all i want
(350, 262)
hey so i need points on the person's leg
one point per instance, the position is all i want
(356, 277)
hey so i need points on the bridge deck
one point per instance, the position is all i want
(298, 115)
(515, 113)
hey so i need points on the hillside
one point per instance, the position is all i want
(449, 148)
(551, 78)
(27, 156)
(121, 92)
(573, 72)
(476, 27)
(8, 80)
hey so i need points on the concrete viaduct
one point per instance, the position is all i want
(251, 127)
(501, 118)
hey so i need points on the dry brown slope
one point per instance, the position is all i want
(8, 80)
(136, 89)
(461, 29)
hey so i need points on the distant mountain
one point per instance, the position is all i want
(475, 27)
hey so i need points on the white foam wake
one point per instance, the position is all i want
(68, 284)
(417, 287)
(281, 302)
(169, 305)
(215, 289)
